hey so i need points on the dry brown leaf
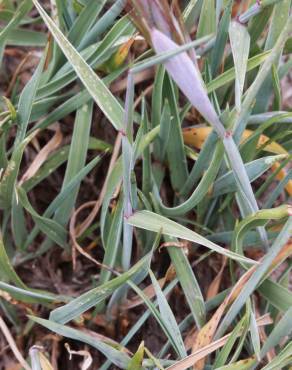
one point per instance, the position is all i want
(76, 246)
(206, 334)
(41, 157)
(206, 350)
(263, 337)
(74, 234)
(6, 296)
(16, 73)
(212, 292)
(143, 76)
(190, 338)
(11, 365)
(183, 244)
(9, 338)
(285, 253)
(215, 285)
(99, 319)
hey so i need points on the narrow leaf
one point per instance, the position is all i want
(154, 222)
(95, 86)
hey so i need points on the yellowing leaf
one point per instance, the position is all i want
(45, 363)
(118, 58)
(214, 286)
(136, 361)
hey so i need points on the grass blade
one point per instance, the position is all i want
(118, 357)
(93, 297)
(97, 89)
(259, 273)
(154, 222)
(240, 41)
(168, 317)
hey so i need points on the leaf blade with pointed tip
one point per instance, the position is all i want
(240, 41)
(94, 296)
(117, 356)
(95, 86)
(154, 222)
(168, 317)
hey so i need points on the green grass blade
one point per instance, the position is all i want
(254, 335)
(95, 55)
(112, 183)
(85, 21)
(277, 295)
(97, 89)
(117, 356)
(168, 317)
(76, 159)
(158, 316)
(97, 295)
(239, 365)
(226, 183)
(7, 270)
(175, 148)
(280, 16)
(224, 353)
(52, 229)
(154, 222)
(18, 223)
(207, 22)
(112, 241)
(7, 183)
(240, 42)
(282, 329)
(283, 359)
(23, 37)
(103, 23)
(188, 282)
(61, 197)
(264, 71)
(23, 8)
(137, 359)
(200, 191)
(26, 100)
(221, 39)
(260, 272)
(32, 296)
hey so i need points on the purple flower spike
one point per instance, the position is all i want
(188, 79)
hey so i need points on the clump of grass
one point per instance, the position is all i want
(145, 185)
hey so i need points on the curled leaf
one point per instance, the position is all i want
(87, 357)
